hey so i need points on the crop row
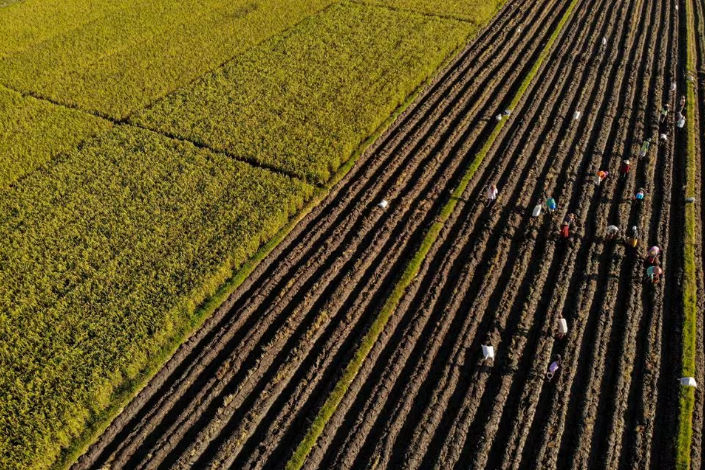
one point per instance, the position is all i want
(33, 132)
(305, 101)
(124, 60)
(131, 232)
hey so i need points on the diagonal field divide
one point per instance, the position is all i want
(686, 402)
(331, 404)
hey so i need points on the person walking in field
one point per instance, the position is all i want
(601, 176)
(553, 368)
(624, 169)
(612, 232)
(664, 113)
(492, 193)
(645, 147)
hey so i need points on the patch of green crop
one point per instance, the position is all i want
(686, 397)
(122, 61)
(33, 132)
(477, 11)
(25, 23)
(304, 101)
(106, 255)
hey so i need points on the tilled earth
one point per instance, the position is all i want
(243, 390)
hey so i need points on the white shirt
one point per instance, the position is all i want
(492, 193)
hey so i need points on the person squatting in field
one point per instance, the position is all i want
(561, 327)
(553, 368)
(653, 274)
(612, 232)
(601, 176)
(640, 195)
(624, 169)
(565, 225)
(664, 113)
(644, 150)
(551, 205)
(633, 239)
(653, 255)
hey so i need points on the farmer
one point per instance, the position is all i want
(653, 273)
(624, 168)
(600, 176)
(553, 368)
(561, 327)
(645, 147)
(633, 239)
(664, 113)
(603, 46)
(612, 232)
(551, 205)
(640, 195)
(565, 225)
(674, 86)
(681, 104)
(492, 193)
(681, 121)
(652, 256)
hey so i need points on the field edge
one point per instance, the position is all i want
(686, 401)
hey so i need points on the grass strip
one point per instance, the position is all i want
(329, 407)
(686, 399)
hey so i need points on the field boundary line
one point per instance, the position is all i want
(336, 396)
(126, 123)
(132, 388)
(686, 400)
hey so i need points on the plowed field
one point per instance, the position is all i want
(243, 391)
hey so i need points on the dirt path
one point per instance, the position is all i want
(241, 392)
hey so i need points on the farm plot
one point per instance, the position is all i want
(33, 132)
(243, 391)
(299, 105)
(131, 232)
(129, 56)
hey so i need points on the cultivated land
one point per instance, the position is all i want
(117, 225)
(263, 371)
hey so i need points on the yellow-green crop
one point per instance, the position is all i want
(303, 102)
(105, 254)
(33, 132)
(134, 54)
